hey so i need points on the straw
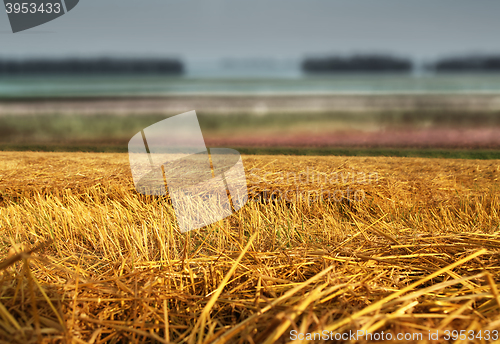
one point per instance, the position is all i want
(86, 259)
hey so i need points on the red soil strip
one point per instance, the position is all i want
(417, 138)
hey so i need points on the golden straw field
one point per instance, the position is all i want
(325, 245)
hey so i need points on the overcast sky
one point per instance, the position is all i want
(210, 29)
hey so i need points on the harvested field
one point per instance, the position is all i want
(381, 245)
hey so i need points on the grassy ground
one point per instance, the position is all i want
(440, 153)
(77, 127)
(393, 245)
(272, 134)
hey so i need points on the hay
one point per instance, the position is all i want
(88, 260)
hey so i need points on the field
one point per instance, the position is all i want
(447, 134)
(375, 244)
(411, 125)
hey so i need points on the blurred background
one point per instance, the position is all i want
(283, 76)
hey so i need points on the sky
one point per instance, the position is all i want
(279, 29)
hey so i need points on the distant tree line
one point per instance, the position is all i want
(387, 63)
(468, 64)
(91, 67)
(357, 63)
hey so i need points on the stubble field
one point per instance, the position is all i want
(399, 246)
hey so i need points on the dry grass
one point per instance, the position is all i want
(419, 253)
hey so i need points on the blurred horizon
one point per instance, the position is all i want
(322, 75)
(326, 74)
(329, 65)
(223, 39)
